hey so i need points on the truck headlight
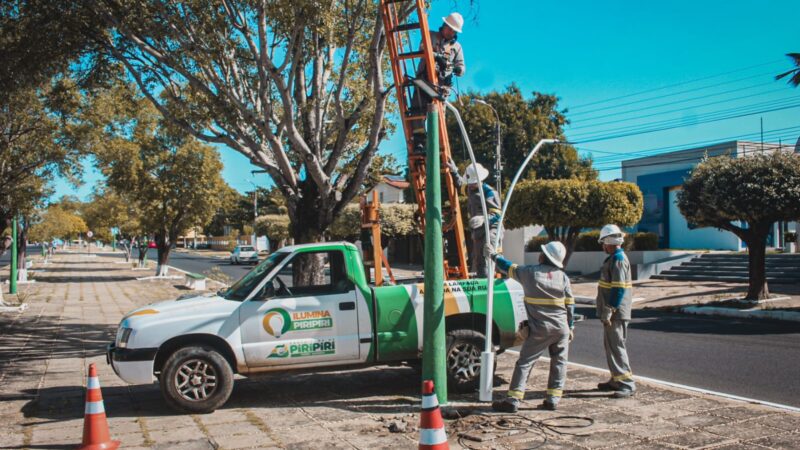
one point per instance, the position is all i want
(123, 334)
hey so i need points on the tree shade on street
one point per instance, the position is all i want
(745, 196)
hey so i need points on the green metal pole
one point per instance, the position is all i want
(434, 352)
(12, 280)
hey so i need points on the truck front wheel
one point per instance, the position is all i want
(196, 380)
(464, 349)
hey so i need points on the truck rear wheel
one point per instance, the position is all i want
(464, 348)
(196, 380)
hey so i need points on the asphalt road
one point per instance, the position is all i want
(192, 262)
(756, 359)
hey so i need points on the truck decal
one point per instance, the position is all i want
(306, 347)
(278, 321)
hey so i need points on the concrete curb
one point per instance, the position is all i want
(790, 316)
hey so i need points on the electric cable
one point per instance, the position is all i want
(517, 426)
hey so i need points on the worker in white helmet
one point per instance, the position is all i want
(614, 300)
(550, 306)
(449, 59)
(469, 186)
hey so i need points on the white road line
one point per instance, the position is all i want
(683, 386)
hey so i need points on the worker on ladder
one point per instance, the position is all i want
(469, 184)
(449, 59)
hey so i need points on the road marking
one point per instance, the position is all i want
(683, 386)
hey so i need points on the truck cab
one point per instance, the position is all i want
(305, 307)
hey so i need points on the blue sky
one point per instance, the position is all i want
(589, 51)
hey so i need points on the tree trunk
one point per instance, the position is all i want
(22, 245)
(142, 247)
(757, 248)
(569, 243)
(163, 245)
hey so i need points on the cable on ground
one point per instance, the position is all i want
(517, 426)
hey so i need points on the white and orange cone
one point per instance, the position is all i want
(95, 426)
(431, 426)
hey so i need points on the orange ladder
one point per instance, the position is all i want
(406, 24)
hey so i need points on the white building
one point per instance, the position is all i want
(660, 177)
(390, 190)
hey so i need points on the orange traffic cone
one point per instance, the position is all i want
(95, 427)
(431, 426)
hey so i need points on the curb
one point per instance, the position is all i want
(790, 316)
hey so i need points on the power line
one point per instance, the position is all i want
(686, 146)
(781, 89)
(640, 130)
(700, 88)
(676, 84)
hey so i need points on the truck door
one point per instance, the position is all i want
(305, 323)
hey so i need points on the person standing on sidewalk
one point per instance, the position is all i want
(550, 307)
(614, 301)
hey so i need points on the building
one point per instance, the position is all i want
(660, 177)
(391, 189)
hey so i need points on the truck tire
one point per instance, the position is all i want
(464, 348)
(196, 380)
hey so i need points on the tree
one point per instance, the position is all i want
(275, 227)
(793, 74)
(108, 209)
(396, 220)
(173, 180)
(745, 196)
(523, 123)
(58, 223)
(564, 207)
(295, 86)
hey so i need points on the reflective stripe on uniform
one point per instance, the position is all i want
(495, 211)
(434, 436)
(540, 301)
(511, 270)
(94, 407)
(516, 394)
(615, 284)
(569, 301)
(555, 392)
(624, 376)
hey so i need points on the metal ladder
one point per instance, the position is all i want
(406, 25)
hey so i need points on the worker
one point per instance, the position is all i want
(449, 59)
(550, 307)
(469, 185)
(614, 310)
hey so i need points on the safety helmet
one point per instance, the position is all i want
(610, 230)
(472, 178)
(555, 252)
(454, 21)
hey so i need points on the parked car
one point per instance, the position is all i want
(244, 254)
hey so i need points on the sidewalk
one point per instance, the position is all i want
(74, 309)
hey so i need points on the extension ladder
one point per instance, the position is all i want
(406, 25)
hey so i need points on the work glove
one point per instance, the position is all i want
(523, 332)
(489, 251)
(452, 165)
(605, 316)
(571, 334)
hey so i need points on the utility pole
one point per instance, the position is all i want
(498, 165)
(12, 281)
(434, 350)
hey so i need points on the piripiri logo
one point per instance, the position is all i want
(278, 321)
(300, 349)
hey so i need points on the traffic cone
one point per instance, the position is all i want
(95, 427)
(431, 426)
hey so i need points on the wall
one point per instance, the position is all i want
(390, 194)
(682, 236)
(643, 263)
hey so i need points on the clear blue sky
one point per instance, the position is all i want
(589, 51)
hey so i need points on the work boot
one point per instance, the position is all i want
(623, 393)
(508, 405)
(607, 386)
(548, 405)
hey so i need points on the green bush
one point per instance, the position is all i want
(645, 241)
(535, 244)
(587, 242)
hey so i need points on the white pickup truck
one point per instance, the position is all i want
(194, 345)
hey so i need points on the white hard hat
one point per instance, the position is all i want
(610, 230)
(470, 174)
(454, 21)
(555, 252)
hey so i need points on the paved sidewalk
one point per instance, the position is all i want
(76, 304)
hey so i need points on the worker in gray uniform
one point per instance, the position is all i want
(449, 59)
(468, 184)
(614, 299)
(550, 306)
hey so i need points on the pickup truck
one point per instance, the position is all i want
(268, 321)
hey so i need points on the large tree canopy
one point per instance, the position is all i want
(295, 86)
(523, 123)
(745, 196)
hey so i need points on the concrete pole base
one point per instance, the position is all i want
(487, 376)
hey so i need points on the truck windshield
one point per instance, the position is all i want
(239, 290)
